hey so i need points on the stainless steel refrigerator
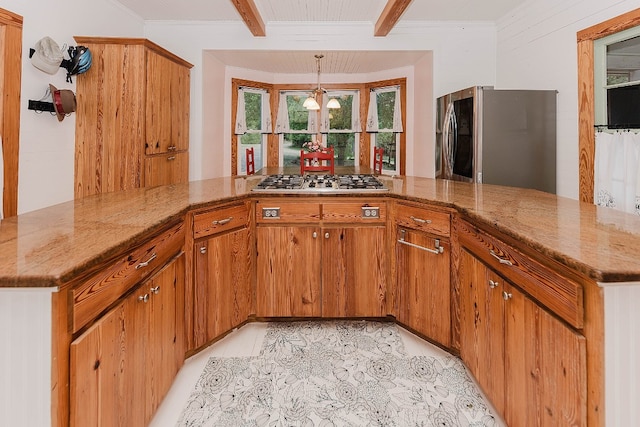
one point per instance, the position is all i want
(491, 136)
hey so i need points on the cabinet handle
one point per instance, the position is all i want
(507, 295)
(315, 235)
(143, 298)
(221, 221)
(437, 248)
(420, 220)
(203, 250)
(326, 235)
(171, 148)
(155, 290)
(493, 284)
(500, 259)
(171, 158)
(146, 263)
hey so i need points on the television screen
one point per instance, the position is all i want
(623, 107)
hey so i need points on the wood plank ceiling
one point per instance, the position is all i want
(390, 15)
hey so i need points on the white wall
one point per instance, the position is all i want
(537, 49)
(464, 54)
(47, 146)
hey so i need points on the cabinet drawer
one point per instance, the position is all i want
(219, 220)
(354, 212)
(427, 220)
(102, 289)
(272, 210)
(560, 294)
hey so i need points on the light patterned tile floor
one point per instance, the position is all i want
(247, 341)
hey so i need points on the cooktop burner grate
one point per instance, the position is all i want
(319, 183)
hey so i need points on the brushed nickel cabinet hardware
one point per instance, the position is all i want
(143, 298)
(222, 221)
(436, 250)
(155, 290)
(146, 263)
(420, 220)
(500, 259)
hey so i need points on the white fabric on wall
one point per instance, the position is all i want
(617, 171)
(282, 121)
(241, 119)
(355, 113)
(267, 126)
(397, 112)
(324, 114)
(372, 114)
(312, 123)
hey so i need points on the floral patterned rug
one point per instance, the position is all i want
(335, 373)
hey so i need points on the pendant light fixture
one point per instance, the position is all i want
(311, 103)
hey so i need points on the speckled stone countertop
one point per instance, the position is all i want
(51, 246)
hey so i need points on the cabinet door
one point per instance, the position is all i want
(172, 168)
(354, 272)
(288, 271)
(98, 378)
(545, 366)
(423, 281)
(482, 326)
(223, 294)
(167, 105)
(165, 349)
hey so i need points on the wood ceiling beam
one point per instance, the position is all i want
(389, 16)
(250, 15)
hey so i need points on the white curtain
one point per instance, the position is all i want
(617, 171)
(397, 112)
(372, 114)
(267, 126)
(312, 123)
(241, 118)
(356, 126)
(282, 121)
(324, 114)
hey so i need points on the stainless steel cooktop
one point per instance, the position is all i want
(313, 183)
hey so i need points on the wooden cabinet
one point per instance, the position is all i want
(132, 118)
(321, 258)
(530, 363)
(222, 272)
(423, 281)
(123, 365)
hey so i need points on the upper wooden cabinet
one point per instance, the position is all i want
(132, 117)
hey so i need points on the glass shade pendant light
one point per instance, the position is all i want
(311, 103)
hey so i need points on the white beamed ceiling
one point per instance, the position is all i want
(279, 12)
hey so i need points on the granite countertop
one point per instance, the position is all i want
(51, 246)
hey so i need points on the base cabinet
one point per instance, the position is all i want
(423, 284)
(529, 364)
(310, 263)
(124, 364)
(223, 294)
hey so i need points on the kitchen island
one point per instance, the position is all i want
(52, 264)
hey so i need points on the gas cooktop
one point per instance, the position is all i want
(320, 183)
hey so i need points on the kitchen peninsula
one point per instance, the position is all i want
(72, 273)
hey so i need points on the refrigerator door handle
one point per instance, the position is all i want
(448, 149)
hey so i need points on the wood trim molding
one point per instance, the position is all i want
(10, 87)
(251, 17)
(586, 108)
(390, 16)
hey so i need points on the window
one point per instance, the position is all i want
(253, 122)
(617, 79)
(296, 126)
(384, 122)
(343, 127)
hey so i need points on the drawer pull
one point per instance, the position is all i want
(507, 295)
(171, 158)
(315, 235)
(155, 290)
(493, 284)
(143, 298)
(420, 220)
(171, 148)
(203, 250)
(146, 263)
(500, 259)
(222, 221)
(326, 235)
(437, 248)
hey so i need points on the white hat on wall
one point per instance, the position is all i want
(47, 55)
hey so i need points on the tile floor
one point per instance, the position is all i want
(247, 341)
